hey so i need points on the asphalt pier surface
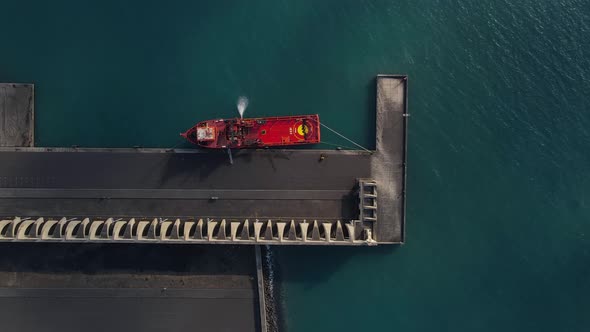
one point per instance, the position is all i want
(125, 182)
(111, 287)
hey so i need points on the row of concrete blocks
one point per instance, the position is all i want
(184, 231)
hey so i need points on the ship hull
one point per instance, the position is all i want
(264, 132)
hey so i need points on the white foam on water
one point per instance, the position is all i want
(242, 104)
(270, 290)
(270, 278)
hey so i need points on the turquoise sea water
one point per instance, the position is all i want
(498, 224)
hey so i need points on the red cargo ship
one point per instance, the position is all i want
(256, 132)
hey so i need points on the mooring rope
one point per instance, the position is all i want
(181, 141)
(340, 146)
(346, 138)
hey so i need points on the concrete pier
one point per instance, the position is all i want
(53, 198)
(389, 164)
(108, 287)
(17, 112)
(310, 197)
